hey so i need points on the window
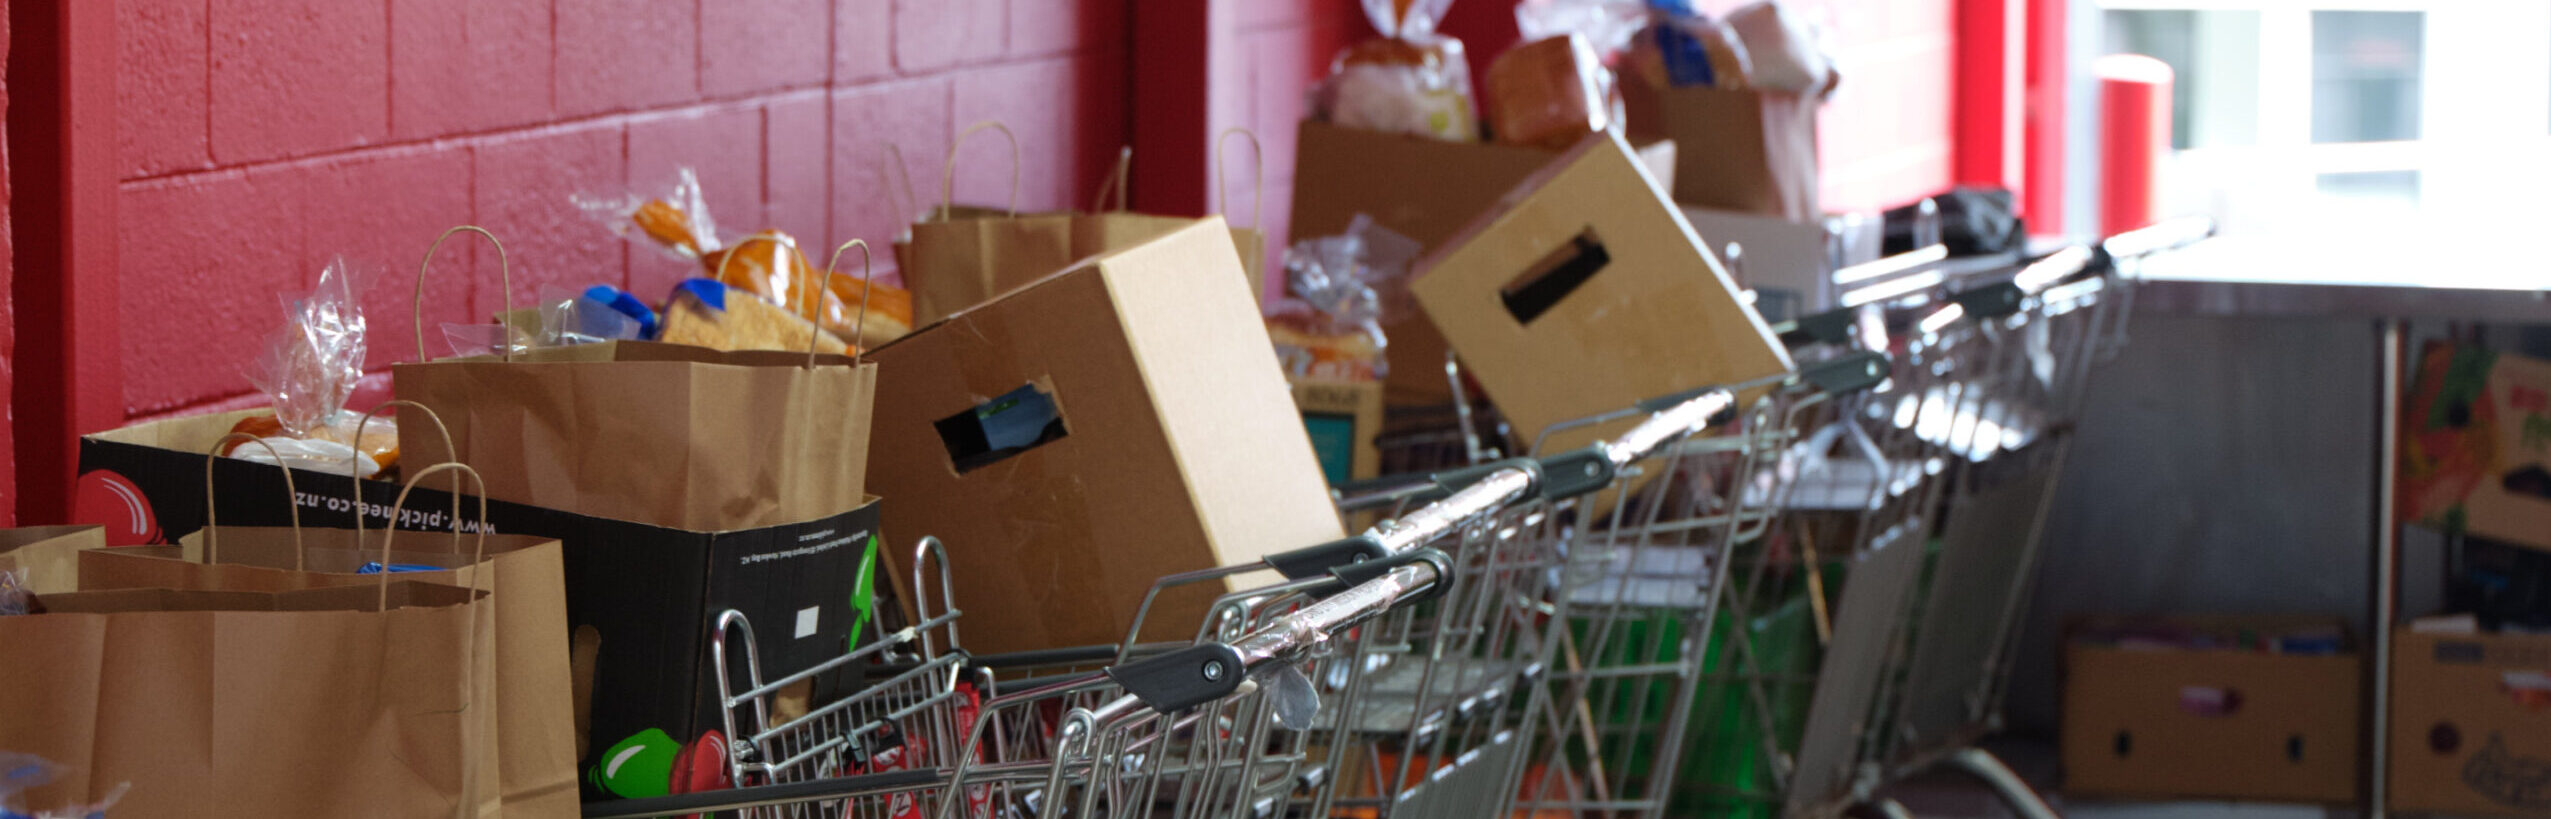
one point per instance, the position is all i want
(2339, 121)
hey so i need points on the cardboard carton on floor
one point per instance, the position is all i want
(640, 598)
(2470, 723)
(1079, 437)
(1425, 189)
(2476, 444)
(1582, 291)
(2213, 723)
(1746, 151)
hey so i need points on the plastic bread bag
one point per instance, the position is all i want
(1684, 47)
(678, 221)
(1606, 25)
(708, 313)
(1549, 92)
(1348, 285)
(1786, 49)
(1411, 80)
(772, 266)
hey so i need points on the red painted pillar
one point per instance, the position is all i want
(61, 129)
(2134, 110)
(2042, 178)
(1991, 72)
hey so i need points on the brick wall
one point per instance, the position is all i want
(259, 138)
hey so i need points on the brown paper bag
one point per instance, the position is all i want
(961, 257)
(367, 700)
(534, 741)
(46, 559)
(662, 434)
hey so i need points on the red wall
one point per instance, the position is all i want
(8, 317)
(258, 138)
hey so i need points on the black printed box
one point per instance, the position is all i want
(641, 599)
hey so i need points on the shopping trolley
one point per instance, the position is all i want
(1928, 522)
(1161, 730)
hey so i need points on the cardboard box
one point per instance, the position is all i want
(1583, 291)
(1078, 438)
(643, 597)
(2220, 724)
(2471, 723)
(1343, 418)
(1425, 189)
(1745, 151)
(2475, 451)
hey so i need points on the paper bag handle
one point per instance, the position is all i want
(1257, 175)
(469, 647)
(504, 273)
(890, 171)
(355, 483)
(867, 286)
(1116, 183)
(212, 513)
(948, 172)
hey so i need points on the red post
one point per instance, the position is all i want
(2049, 74)
(2134, 109)
(62, 143)
(1991, 67)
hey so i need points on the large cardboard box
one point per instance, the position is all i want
(1583, 291)
(2471, 723)
(2475, 449)
(1078, 438)
(1747, 151)
(1423, 188)
(2215, 723)
(641, 599)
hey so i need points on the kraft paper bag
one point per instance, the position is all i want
(351, 701)
(960, 257)
(663, 434)
(523, 577)
(46, 559)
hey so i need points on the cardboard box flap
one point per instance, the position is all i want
(1084, 263)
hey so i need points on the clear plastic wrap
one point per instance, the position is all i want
(1786, 49)
(768, 264)
(1411, 80)
(1606, 25)
(1344, 287)
(312, 362)
(678, 221)
(1684, 47)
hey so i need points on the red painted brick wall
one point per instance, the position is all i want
(258, 138)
